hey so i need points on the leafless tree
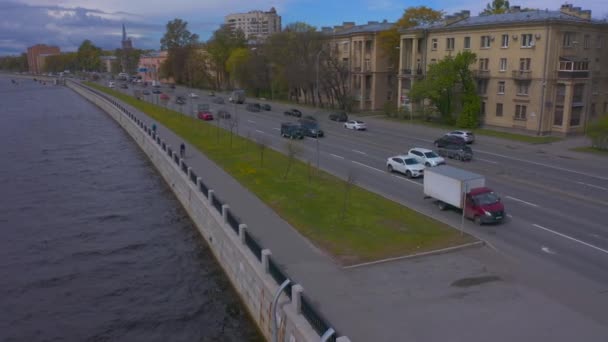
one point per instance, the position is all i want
(262, 145)
(233, 123)
(351, 180)
(292, 151)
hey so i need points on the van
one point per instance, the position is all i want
(311, 128)
(291, 130)
(237, 96)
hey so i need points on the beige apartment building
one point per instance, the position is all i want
(257, 25)
(539, 71)
(373, 82)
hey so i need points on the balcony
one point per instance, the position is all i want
(522, 75)
(357, 69)
(481, 73)
(572, 74)
(411, 73)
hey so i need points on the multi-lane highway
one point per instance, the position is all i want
(556, 201)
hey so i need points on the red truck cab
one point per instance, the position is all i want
(483, 205)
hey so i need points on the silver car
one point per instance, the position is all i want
(467, 136)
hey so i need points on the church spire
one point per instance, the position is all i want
(124, 33)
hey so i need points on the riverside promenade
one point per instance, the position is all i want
(467, 295)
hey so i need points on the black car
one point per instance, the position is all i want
(293, 112)
(449, 140)
(266, 106)
(156, 91)
(311, 128)
(291, 130)
(180, 100)
(338, 116)
(254, 107)
(456, 151)
(218, 100)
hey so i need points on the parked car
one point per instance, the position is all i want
(311, 128)
(406, 165)
(293, 112)
(164, 96)
(467, 136)
(253, 107)
(206, 116)
(456, 151)
(426, 156)
(356, 125)
(218, 100)
(193, 96)
(449, 140)
(223, 114)
(156, 91)
(266, 106)
(291, 130)
(338, 116)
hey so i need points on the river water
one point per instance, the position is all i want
(94, 246)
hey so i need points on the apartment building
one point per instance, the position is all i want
(257, 25)
(36, 56)
(539, 71)
(373, 82)
(149, 66)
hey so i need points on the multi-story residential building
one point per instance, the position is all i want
(541, 71)
(373, 82)
(36, 55)
(257, 25)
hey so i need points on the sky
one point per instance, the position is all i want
(66, 23)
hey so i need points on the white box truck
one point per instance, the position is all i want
(461, 189)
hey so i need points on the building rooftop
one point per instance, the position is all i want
(348, 28)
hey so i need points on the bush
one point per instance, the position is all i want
(598, 133)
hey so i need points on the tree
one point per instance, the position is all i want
(412, 17)
(220, 46)
(61, 62)
(87, 56)
(496, 7)
(14, 63)
(598, 133)
(131, 58)
(179, 42)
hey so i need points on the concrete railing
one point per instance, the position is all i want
(251, 269)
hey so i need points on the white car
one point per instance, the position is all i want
(426, 156)
(356, 125)
(467, 136)
(407, 165)
(193, 96)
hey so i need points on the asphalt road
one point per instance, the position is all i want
(556, 202)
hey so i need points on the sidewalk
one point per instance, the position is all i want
(405, 300)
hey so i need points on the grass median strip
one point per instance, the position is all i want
(349, 222)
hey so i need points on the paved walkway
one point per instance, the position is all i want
(406, 300)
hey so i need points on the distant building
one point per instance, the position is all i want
(257, 25)
(107, 62)
(37, 54)
(126, 45)
(151, 63)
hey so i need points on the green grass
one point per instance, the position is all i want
(312, 200)
(589, 149)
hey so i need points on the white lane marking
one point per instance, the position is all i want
(487, 161)
(277, 129)
(547, 250)
(509, 216)
(570, 238)
(257, 130)
(522, 201)
(360, 152)
(251, 121)
(407, 180)
(335, 155)
(593, 186)
(545, 165)
(367, 166)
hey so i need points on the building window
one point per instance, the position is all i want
(575, 116)
(527, 40)
(467, 42)
(449, 43)
(433, 61)
(501, 87)
(523, 88)
(503, 64)
(599, 42)
(484, 63)
(485, 42)
(482, 109)
(434, 44)
(482, 86)
(499, 109)
(558, 116)
(569, 38)
(587, 41)
(524, 64)
(578, 93)
(560, 95)
(592, 111)
(520, 112)
(505, 41)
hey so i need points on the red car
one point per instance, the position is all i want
(164, 96)
(206, 116)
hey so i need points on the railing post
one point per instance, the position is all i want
(296, 297)
(242, 232)
(189, 170)
(211, 192)
(198, 182)
(225, 208)
(265, 258)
